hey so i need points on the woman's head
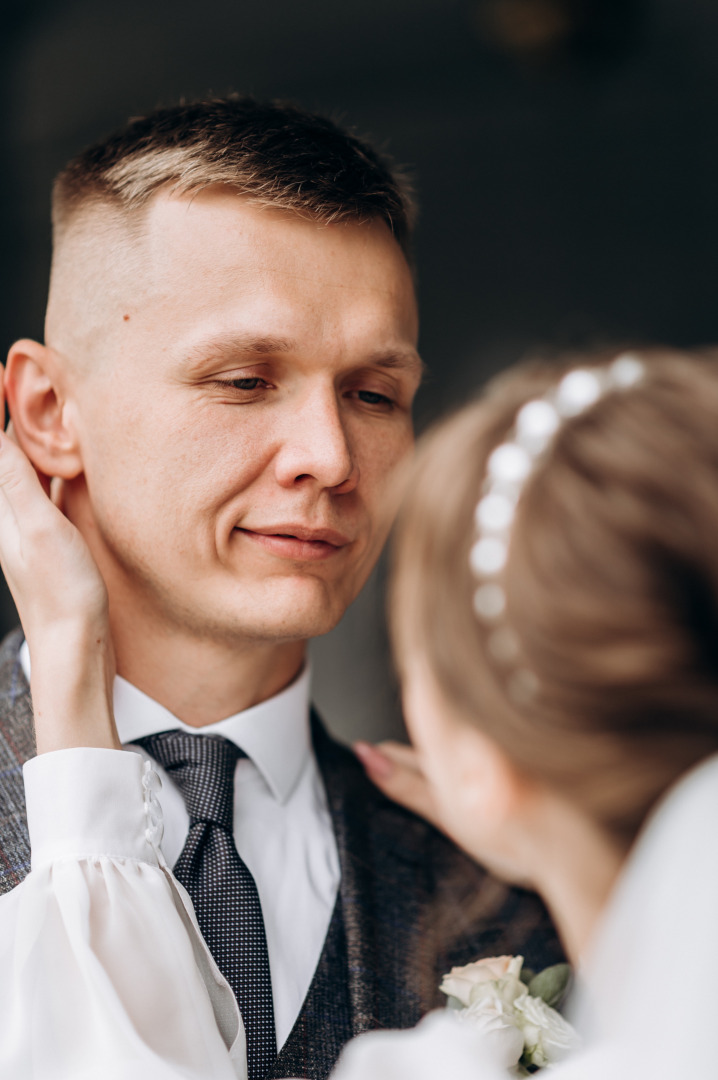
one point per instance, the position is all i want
(611, 587)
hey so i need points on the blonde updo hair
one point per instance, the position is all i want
(611, 584)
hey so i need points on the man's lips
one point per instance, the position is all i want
(297, 542)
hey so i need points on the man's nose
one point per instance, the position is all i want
(317, 448)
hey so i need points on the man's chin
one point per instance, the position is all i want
(294, 611)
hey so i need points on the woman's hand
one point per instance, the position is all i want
(62, 603)
(394, 768)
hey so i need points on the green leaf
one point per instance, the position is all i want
(551, 984)
(527, 975)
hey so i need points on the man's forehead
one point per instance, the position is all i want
(241, 261)
(190, 256)
(217, 223)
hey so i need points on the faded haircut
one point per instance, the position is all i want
(273, 154)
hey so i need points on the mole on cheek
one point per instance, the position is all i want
(126, 318)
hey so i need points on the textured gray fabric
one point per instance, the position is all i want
(324, 1025)
(410, 904)
(17, 745)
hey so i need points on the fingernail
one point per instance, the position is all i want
(373, 760)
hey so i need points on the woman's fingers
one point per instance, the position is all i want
(10, 431)
(62, 602)
(46, 561)
(395, 770)
(21, 500)
(16, 472)
(44, 480)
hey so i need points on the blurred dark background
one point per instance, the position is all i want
(565, 154)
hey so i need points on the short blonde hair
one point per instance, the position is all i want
(273, 154)
(611, 584)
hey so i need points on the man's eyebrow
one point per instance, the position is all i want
(237, 345)
(407, 361)
(229, 348)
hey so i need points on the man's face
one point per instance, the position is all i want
(240, 431)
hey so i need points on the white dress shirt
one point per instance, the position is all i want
(282, 826)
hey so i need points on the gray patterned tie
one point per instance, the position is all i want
(223, 891)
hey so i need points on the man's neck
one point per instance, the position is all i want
(201, 681)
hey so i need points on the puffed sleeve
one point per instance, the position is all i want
(104, 971)
(440, 1046)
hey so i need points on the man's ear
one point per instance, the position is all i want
(35, 399)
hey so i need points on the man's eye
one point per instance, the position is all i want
(369, 397)
(243, 384)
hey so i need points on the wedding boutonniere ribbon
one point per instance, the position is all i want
(514, 1009)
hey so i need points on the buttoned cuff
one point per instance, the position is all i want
(92, 803)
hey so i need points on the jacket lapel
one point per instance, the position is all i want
(385, 892)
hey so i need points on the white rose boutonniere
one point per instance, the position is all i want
(496, 977)
(514, 1009)
(548, 1038)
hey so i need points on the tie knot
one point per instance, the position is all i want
(202, 767)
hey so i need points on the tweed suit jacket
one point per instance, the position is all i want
(410, 904)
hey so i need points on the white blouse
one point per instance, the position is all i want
(105, 972)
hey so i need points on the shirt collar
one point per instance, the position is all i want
(275, 734)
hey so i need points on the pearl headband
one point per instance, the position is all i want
(508, 470)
